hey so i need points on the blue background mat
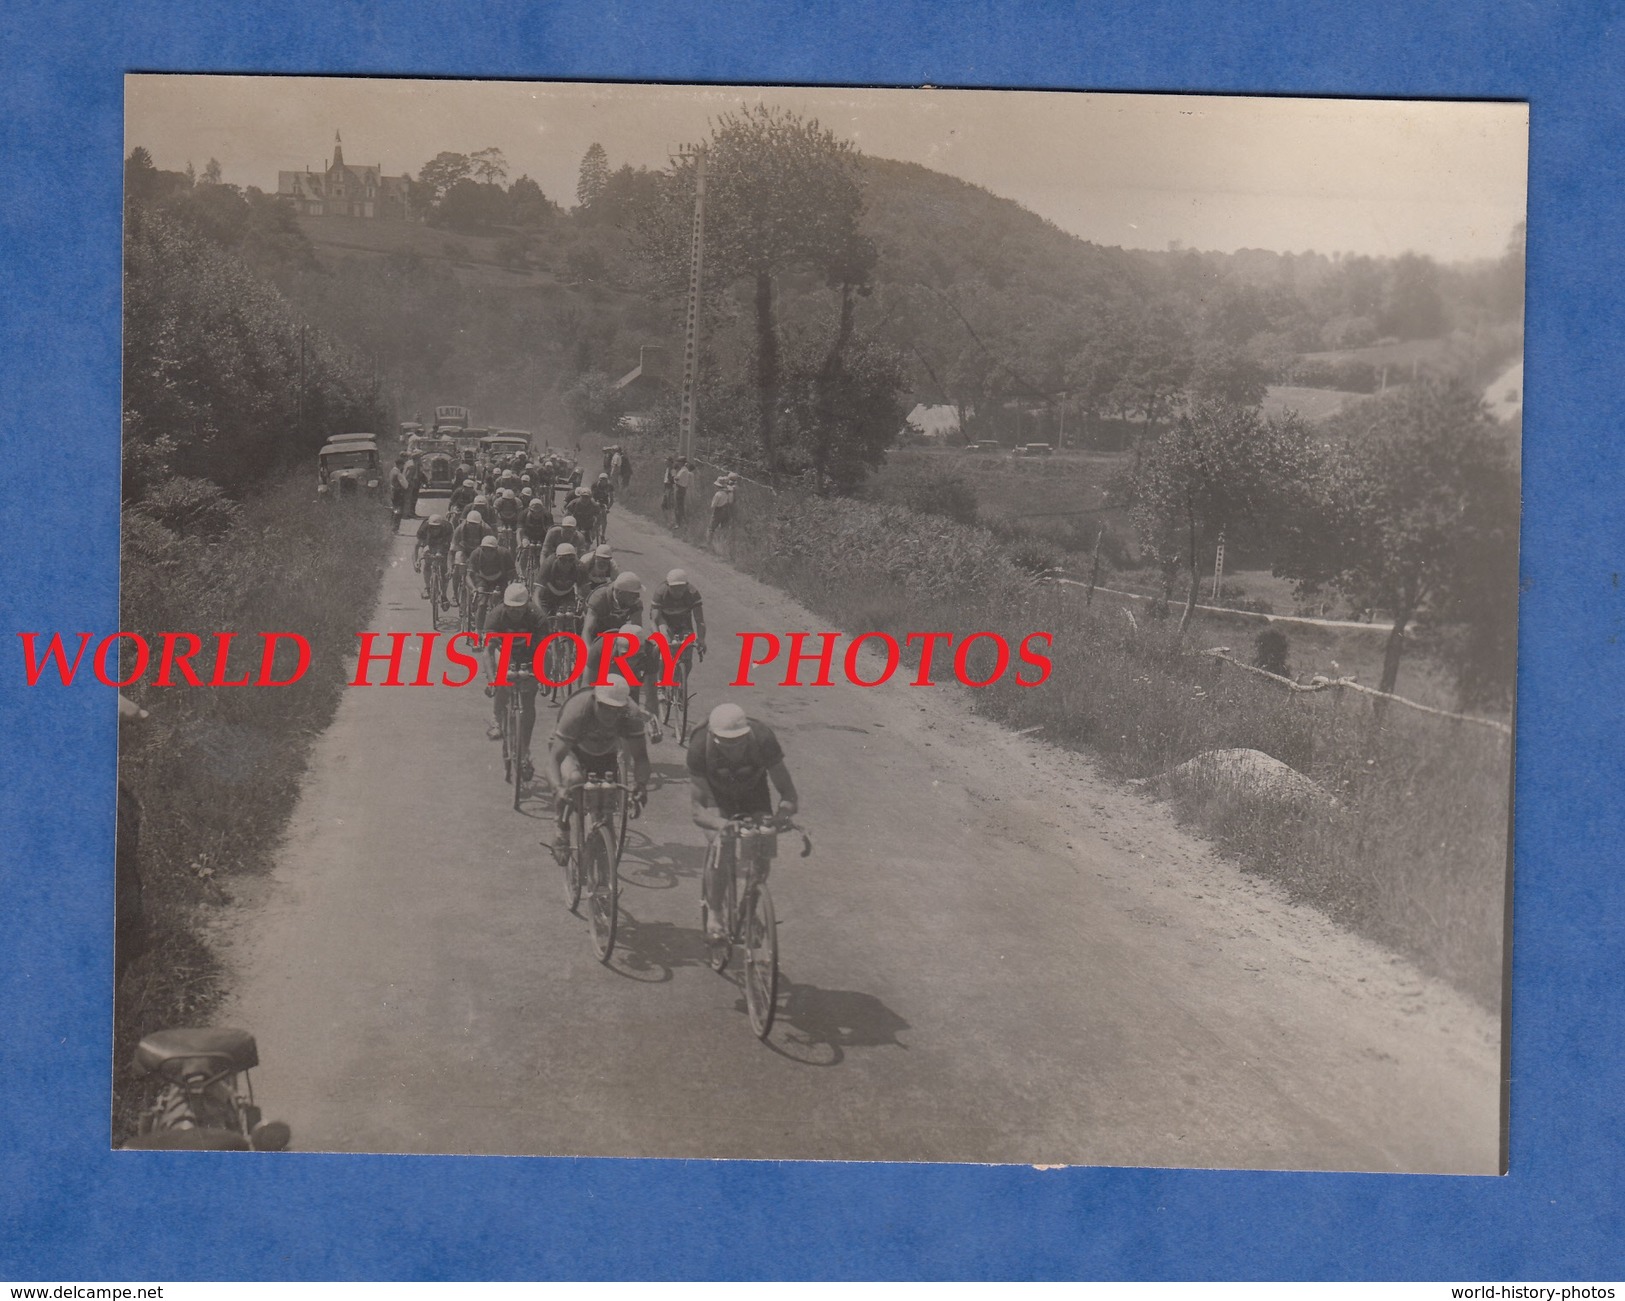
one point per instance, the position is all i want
(71, 1210)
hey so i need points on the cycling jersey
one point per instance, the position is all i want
(435, 537)
(739, 785)
(584, 510)
(559, 577)
(526, 619)
(470, 535)
(558, 535)
(675, 606)
(507, 509)
(595, 573)
(606, 613)
(591, 730)
(534, 525)
(645, 664)
(491, 566)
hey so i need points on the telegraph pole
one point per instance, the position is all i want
(691, 331)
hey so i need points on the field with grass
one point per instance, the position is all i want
(1311, 403)
(1407, 841)
(217, 770)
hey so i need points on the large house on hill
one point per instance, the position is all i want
(344, 190)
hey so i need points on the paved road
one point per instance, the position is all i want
(994, 955)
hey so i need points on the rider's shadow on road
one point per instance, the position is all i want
(821, 1024)
(651, 952)
(650, 866)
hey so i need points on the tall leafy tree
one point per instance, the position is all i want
(594, 175)
(1415, 512)
(488, 166)
(783, 195)
(442, 172)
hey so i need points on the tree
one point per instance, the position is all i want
(489, 166)
(472, 206)
(530, 207)
(1226, 373)
(595, 403)
(1415, 511)
(442, 172)
(783, 194)
(594, 175)
(1414, 309)
(1220, 470)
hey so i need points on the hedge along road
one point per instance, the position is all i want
(993, 955)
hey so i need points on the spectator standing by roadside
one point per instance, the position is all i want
(682, 481)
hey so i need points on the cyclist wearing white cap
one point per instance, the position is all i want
(507, 507)
(614, 606)
(490, 568)
(730, 763)
(535, 523)
(585, 510)
(470, 533)
(515, 615)
(598, 570)
(564, 531)
(556, 585)
(593, 728)
(677, 611)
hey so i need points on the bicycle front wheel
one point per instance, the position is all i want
(572, 866)
(603, 880)
(512, 744)
(761, 944)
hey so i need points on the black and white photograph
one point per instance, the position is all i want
(807, 623)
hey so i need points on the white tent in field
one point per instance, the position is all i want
(933, 424)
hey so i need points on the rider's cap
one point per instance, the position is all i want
(474, 517)
(488, 541)
(605, 551)
(437, 520)
(507, 492)
(604, 476)
(569, 521)
(677, 578)
(524, 478)
(468, 483)
(526, 492)
(482, 500)
(728, 721)
(566, 549)
(628, 582)
(614, 693)
(517, 594)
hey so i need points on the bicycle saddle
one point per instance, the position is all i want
(235, 1048)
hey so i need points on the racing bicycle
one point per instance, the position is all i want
(675, 699)
(748, 921)
(599, 809)
(514, 758)
(434, 577)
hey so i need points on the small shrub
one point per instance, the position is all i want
(1270, 652)
(189, 507)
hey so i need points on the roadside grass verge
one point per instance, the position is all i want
(1411, 849)
(217, 769)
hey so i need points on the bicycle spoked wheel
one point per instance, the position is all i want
(572, 867)
(761, 944)
(517, 769)
(603, 882)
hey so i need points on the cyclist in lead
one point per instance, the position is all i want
(470, 533)
(594, 728)
(519, 617)
(731, 760)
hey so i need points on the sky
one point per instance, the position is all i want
(1381, 177)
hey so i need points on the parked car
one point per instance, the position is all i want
(1034, 449)
(449, 417)
(352, 438)
(348, 468)
(985, 445)
(505, 442)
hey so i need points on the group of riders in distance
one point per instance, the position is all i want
(522, 550)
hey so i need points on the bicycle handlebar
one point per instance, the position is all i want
(773, 824)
